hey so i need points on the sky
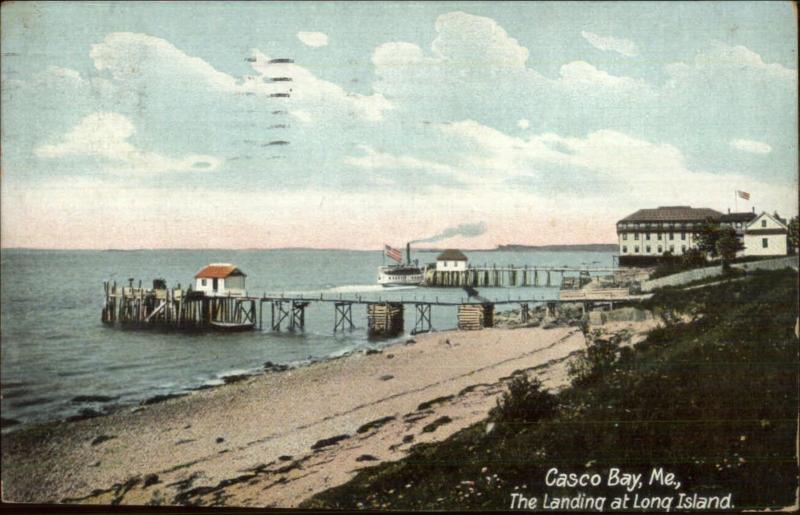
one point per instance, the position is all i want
(351, 125)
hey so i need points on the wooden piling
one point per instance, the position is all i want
(384, 319)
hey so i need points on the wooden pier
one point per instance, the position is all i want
(173, 308)
(135, 307)
(510, 276)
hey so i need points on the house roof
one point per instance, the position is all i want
(745, 216)
(451, 255)
(752, 228)
(673, 214)
(218, 271)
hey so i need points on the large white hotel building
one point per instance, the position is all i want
(674, 229)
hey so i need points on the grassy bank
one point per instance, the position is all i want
(713, 401)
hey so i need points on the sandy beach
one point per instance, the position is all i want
(275, 439)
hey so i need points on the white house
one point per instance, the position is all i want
(766, 236)
(451, 260)
(220, 279)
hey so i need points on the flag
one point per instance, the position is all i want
(743, 194)
(393, 253)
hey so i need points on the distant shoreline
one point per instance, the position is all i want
(578, 247)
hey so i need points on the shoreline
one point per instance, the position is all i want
(274, 439)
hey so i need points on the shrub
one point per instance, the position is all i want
(596, 362)
(525, 402)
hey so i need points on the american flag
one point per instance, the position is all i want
(393, 253)
(743, 194)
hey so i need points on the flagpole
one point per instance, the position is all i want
(735, 201)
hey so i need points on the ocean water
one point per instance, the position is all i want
(54, 348)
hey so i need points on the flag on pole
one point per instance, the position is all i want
(393, 253)
(743, 194)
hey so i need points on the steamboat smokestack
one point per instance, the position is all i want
(408, 253)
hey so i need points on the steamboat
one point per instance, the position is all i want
(409, 273)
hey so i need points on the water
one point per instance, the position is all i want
(54, 347)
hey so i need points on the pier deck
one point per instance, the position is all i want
(186, 310)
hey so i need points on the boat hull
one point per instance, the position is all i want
(400, 276)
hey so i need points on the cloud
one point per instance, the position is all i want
(129, 56)
(607, 166)
(465, 38)
(580, 74)
(729, 60)
(625, 47)
(755, 147)
(141, 61)
(373, 160)
(313, 39)
(523, 123)
(106, 135)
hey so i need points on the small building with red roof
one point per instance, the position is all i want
(221, 279)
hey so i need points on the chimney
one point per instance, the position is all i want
(408, 253)
(729, 210)
(754, 209)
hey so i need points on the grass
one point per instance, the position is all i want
(713, 401)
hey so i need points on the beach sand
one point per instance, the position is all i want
(278, 438)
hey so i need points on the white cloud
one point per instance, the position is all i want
(313, 39)
(523, 123)
(747, 145)
(725, 59)
(625, 47)
(469, 39)
(618, 168)
(130, 56)
(580, 74)
(106, 135)
(313, 95)
(374, 160)
(141, 58)
(722, 55)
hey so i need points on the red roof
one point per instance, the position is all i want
(218, 271)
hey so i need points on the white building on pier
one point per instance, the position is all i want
(221, 279)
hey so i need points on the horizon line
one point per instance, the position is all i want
(419, 249)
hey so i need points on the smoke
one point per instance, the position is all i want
(466, 230)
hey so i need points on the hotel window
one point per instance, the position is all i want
(647, 249)
(672, 248)
(624, 236)
(659, 236)
(624, 249)
(636, 249)
(647, 236)
(763, 223)
(636, 236)
(765, 242)
(660, 249)
(672, 235)
(683, 248)
(683, 235)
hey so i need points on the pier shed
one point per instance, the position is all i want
(221, 279)
(451, 260)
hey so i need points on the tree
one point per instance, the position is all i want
(693, 258)
(727, 246)
(794, 235)
(708, 237)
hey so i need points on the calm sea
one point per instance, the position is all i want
(55, 349)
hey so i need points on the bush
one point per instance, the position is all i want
(596, 362)
(525, 402)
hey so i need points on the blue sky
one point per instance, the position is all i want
(156, 124)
